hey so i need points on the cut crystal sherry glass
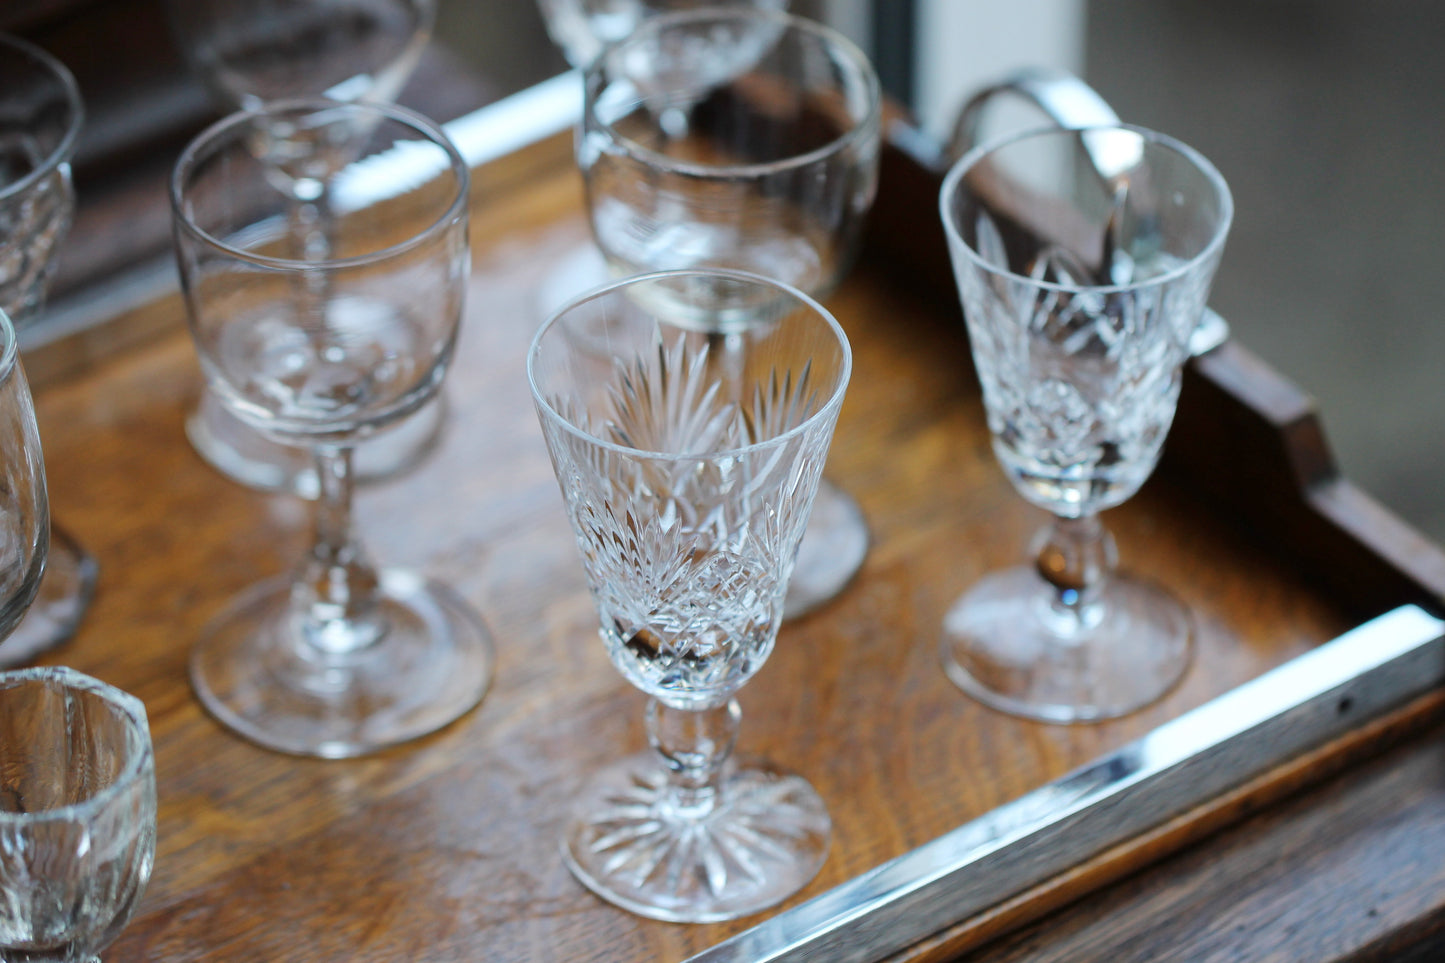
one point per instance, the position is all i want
(1084, 260)
(77, 814)
(689, 462)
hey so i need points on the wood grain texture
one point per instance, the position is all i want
(446, 849)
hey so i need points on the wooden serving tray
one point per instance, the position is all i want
(446, 849)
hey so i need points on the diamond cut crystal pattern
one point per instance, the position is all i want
(688, 554)
(1083, 260)
(31, 227)
(1080, 383)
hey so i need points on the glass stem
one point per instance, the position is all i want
(693, 745)
(1077, 557)
(337, 588)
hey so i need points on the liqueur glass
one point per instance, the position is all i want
(688, 463)
(24, 506)
(1083, 260)
(255, 52)
(322, 341)
(41, 114)
(745, 139)
(77, 814)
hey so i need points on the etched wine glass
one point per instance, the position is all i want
(1083, 260)
(77, 813)
(24, 504)
(41, 114)
(688, 463)
(324, 344)
(746, 139)
(255, 52)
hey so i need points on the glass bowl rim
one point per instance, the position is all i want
(868, 127)
(424, 125)
(965, 163)
(64, 150)
(831, 406)
(126, 705)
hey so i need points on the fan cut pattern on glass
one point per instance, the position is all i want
(688, 553)
(1080, 382)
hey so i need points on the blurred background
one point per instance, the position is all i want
(1324, 116)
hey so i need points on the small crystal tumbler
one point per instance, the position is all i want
(77, 814)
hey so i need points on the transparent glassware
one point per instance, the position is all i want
(322, 340)
(688, 461)
(745, 139)
(1083, 260)
(77, 814)
(581, 28)
(41, 115)
(24, 505)
(255, 52)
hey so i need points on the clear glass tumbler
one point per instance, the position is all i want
(77, 814)
(688, 463)
(1084, 260)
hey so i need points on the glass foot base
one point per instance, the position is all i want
(245, 456)
(431, 665)
(833, 548)
(631, 844)
(65, 592)
(1004, 645)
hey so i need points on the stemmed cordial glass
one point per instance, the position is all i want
(24, 505)
(323, 342)
(1083, 260)
(255, 52)
(688, 463)
(77, 813)
(745, 139)
(40, 119)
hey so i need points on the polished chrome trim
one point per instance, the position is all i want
(1176, 767)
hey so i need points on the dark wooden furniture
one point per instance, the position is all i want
(445, 849)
